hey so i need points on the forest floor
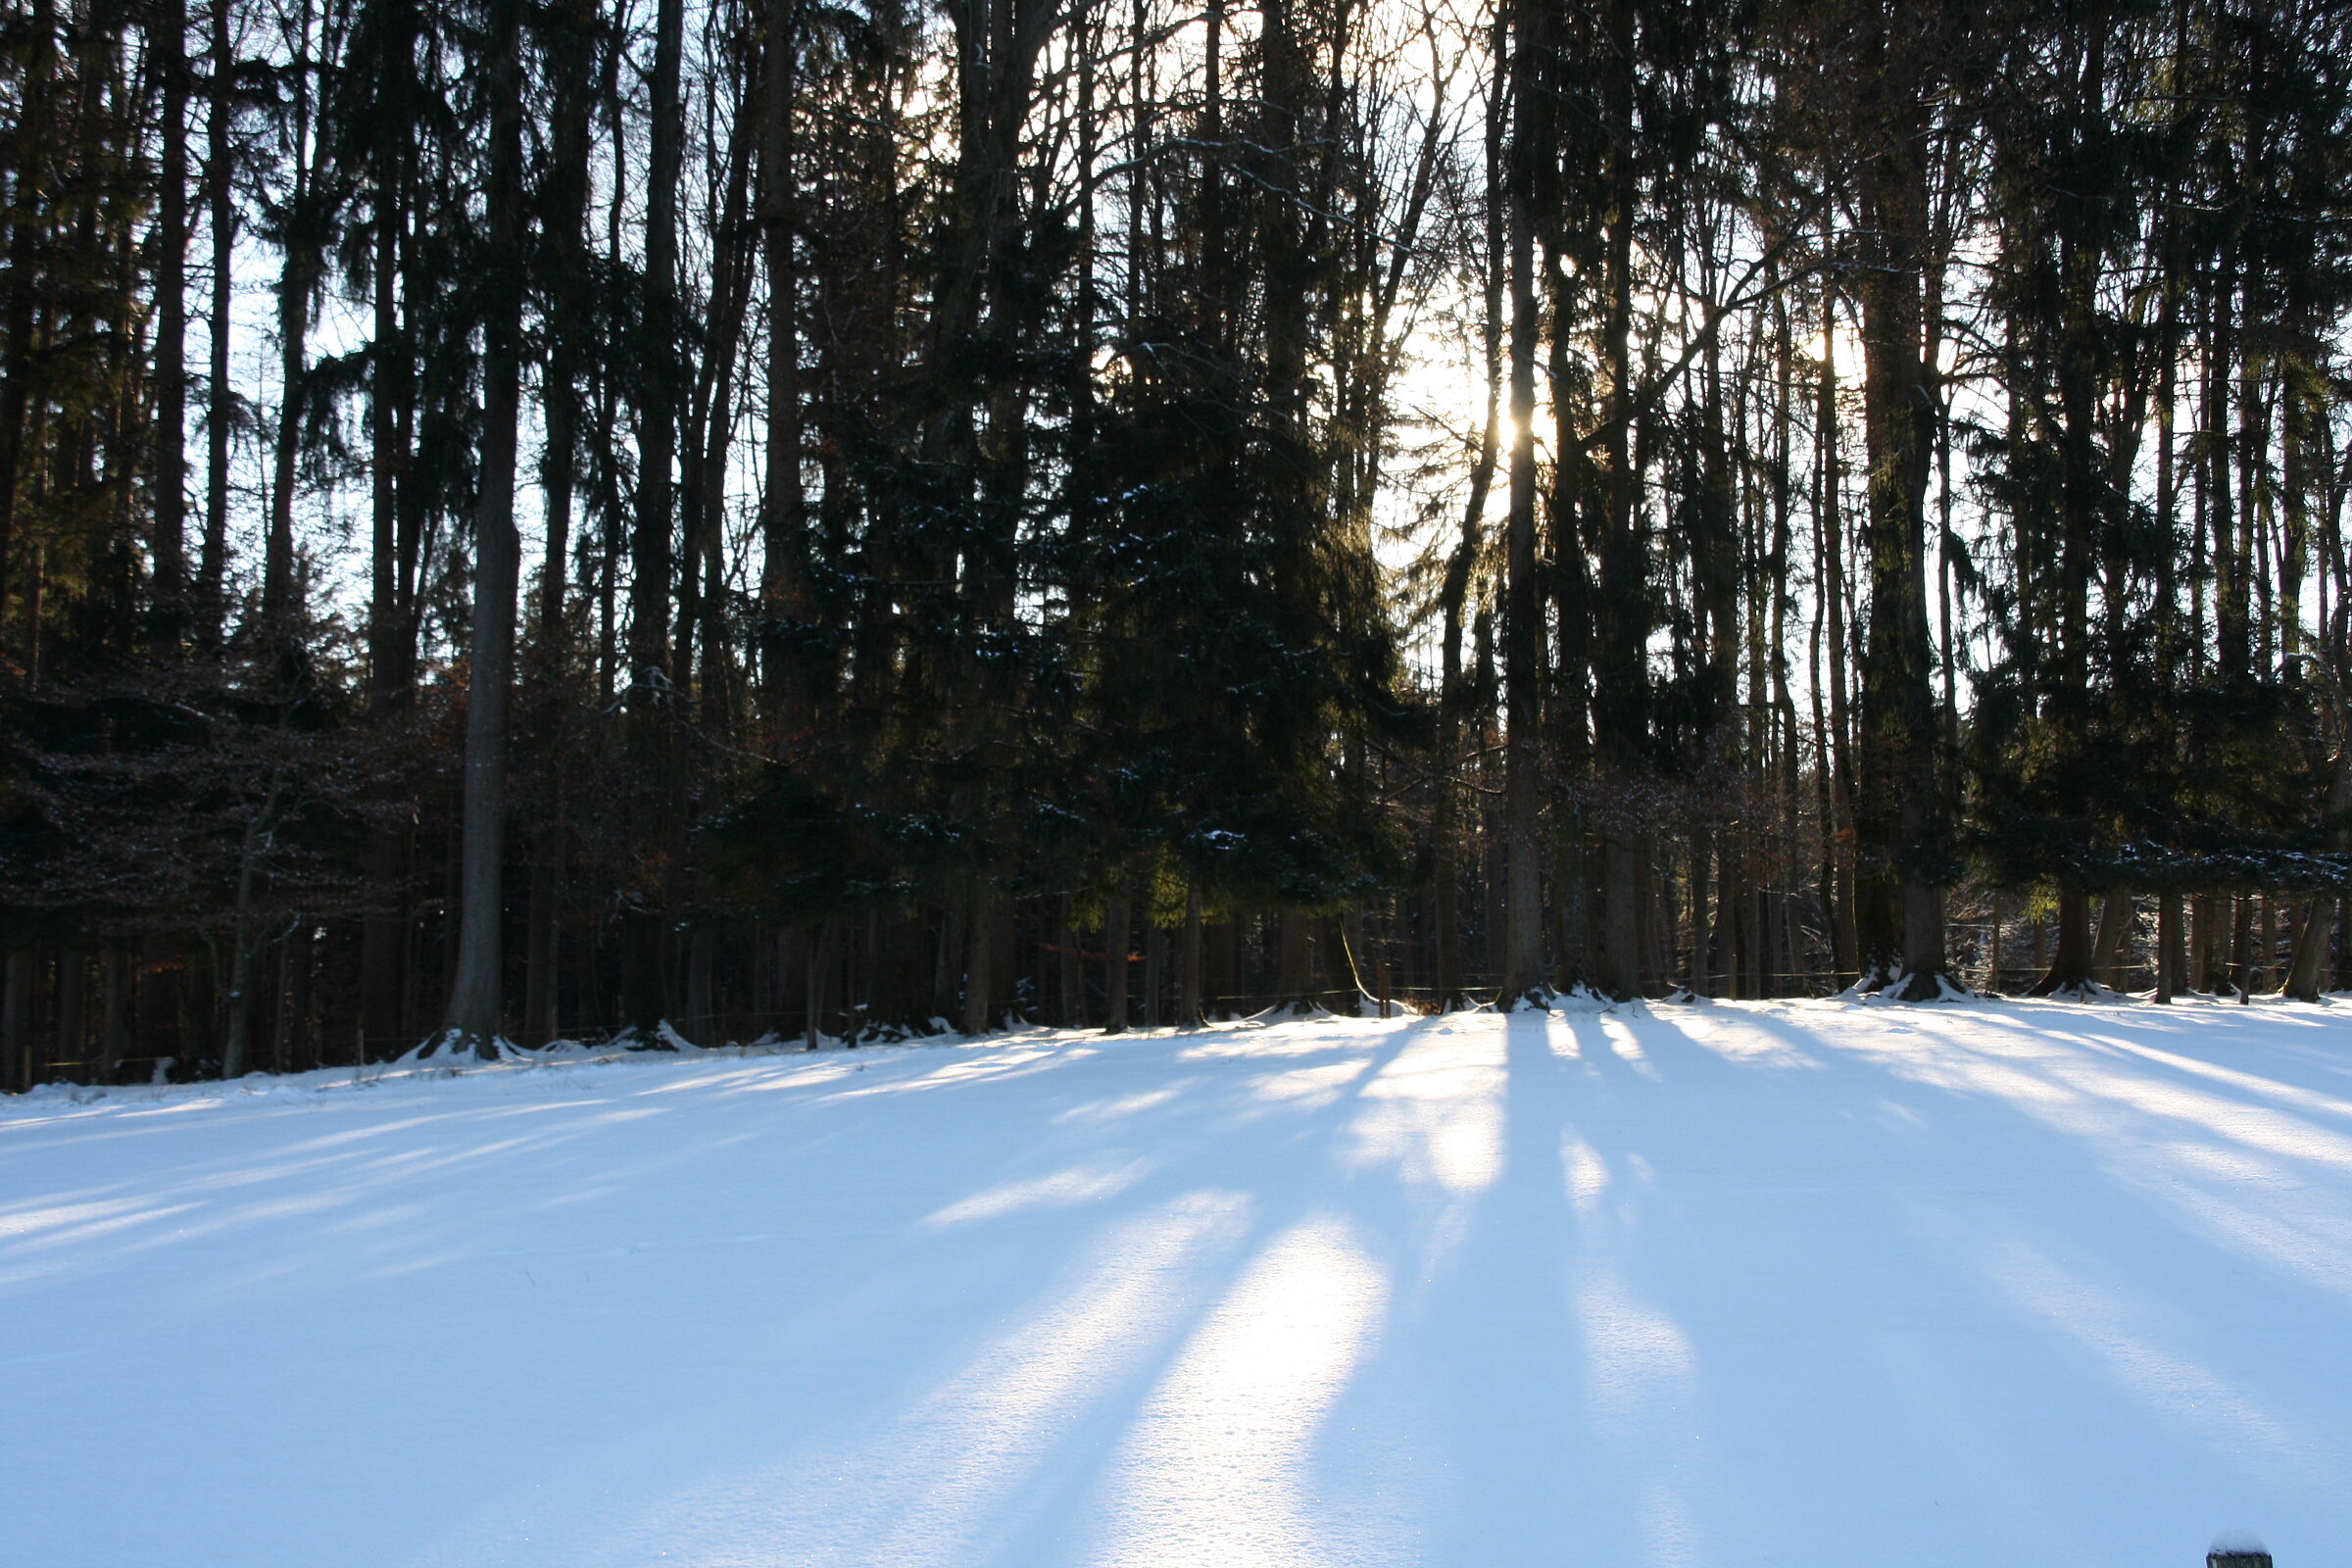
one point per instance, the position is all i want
(1728, 1284)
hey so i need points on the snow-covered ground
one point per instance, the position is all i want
(1871, 1287)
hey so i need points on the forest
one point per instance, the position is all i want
(842, 520)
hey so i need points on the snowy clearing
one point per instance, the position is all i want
(1811, 1283)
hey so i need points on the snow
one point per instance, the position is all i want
(1728, 1284)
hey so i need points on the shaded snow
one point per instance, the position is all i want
(1713, 1285)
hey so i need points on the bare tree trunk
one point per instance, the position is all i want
(702, 999)
(297, 274)
(653, 766)
(113, 1022)
(1295, 981)
(820, 973)
(73, 989)
(2310, 951)
(2069, 970)
(2118, 914)
(1155, 964)
(1834, 744)
(1188, 971)
(1071, 968)
(18, 972)
(2344, 944)
(2304, 972)
(2207, 912)
(1117, 921)
(1523, 627)
(168, 485)
(980, 952)
(782, 523)
(220, 397)
(385, 935)
(543, 943)
(290, 1034)
(476, 1003)
(1901, 909)
(2171, 977)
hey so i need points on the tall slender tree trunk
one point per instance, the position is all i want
(169, 482)
(476, 1005)
(2170, 977)
(2118, 914)
(782, 513)
(211, 572)
(2307, 968)
(1071, 970)
(979, 963)
(1188, 1009)
(1117, 925)
(1523, 629)
(1839, 790)
(652, 763)
(73, 996)
(297, 277)
(1901, 831)
(19, 975)
(114, 1010)
(383, 958)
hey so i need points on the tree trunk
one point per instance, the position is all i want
(2304, 977)
(1071, 970)
(2118, 914)
(2171, 976)
(702, 994)
(543, 942)
(220, 397)
(72, 996)
(297, 274)
(1901, 832)
(1619, 973)
(1189, 1015)
(1523, 628)
(819, 980)
(1833, 732)
(18, 972)
(979, 963)
(168, 485)
(113, 1022)
(1295, 981)
(476, 1005)
(2304, 970)
(2208, 911)
(2069, 970)
(782, 522)
(1117, 921)
(651, 680)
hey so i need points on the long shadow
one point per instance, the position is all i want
(995, 1472)
(1878, 1274)
(1704, 1287)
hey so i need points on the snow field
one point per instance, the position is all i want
(1724, 1285)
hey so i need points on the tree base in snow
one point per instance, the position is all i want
(1903, 986)
(2072, 990)
(456, 1043)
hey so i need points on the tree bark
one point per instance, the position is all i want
(1117, 920)
(475, 1020)
(1189, 1015)
(297, 277)
(169, 482)
(212, 570)
(1902, 834)
(651, 681)
(1523, 630)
